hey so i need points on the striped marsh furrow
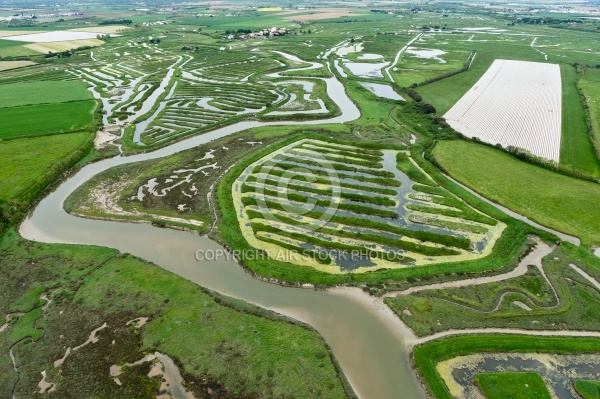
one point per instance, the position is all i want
(308, 198)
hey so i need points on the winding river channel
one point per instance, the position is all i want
(365, 337)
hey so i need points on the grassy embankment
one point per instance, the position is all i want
(237, 348)
(588, 389)
(563, 203)
(428, 355)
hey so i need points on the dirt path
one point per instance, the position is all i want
(586, 276)
(533, 258)
(539, 266)
(516, 331)
(403, 49)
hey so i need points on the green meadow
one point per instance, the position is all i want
(576, 150)
(42, 119)
(563, 203)
(590, 84)
(25, 163)
(512, 385)
(4, 43)
(49, 92)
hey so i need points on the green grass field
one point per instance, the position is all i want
(41, 119)
(590, 84)
(16, 51)
(512, 386)
(588, 389)
(19, 94)
(576, 148)
(12, 48)
(4, 43)
(559, 202)
(26, 162)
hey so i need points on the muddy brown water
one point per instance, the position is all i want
(370, 350)
(367, 340)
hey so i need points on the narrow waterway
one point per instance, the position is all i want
(366, 339)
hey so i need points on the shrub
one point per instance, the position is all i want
(412, 93)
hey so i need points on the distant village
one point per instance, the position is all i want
(35, 16)
(261, 34)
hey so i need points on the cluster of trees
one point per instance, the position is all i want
(63, 54)
(9, 212)
(349, 20)
(412, 93)
(240, 31)
(425, 108)
(428, 27)
(116, 22)
(548, 20)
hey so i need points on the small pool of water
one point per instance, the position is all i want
(369, 56)
(383, 91)
(366, 69)
(427, 53)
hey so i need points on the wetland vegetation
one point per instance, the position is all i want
(324, 140)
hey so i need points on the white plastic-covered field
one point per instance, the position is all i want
(54, 36)
(515, 103)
